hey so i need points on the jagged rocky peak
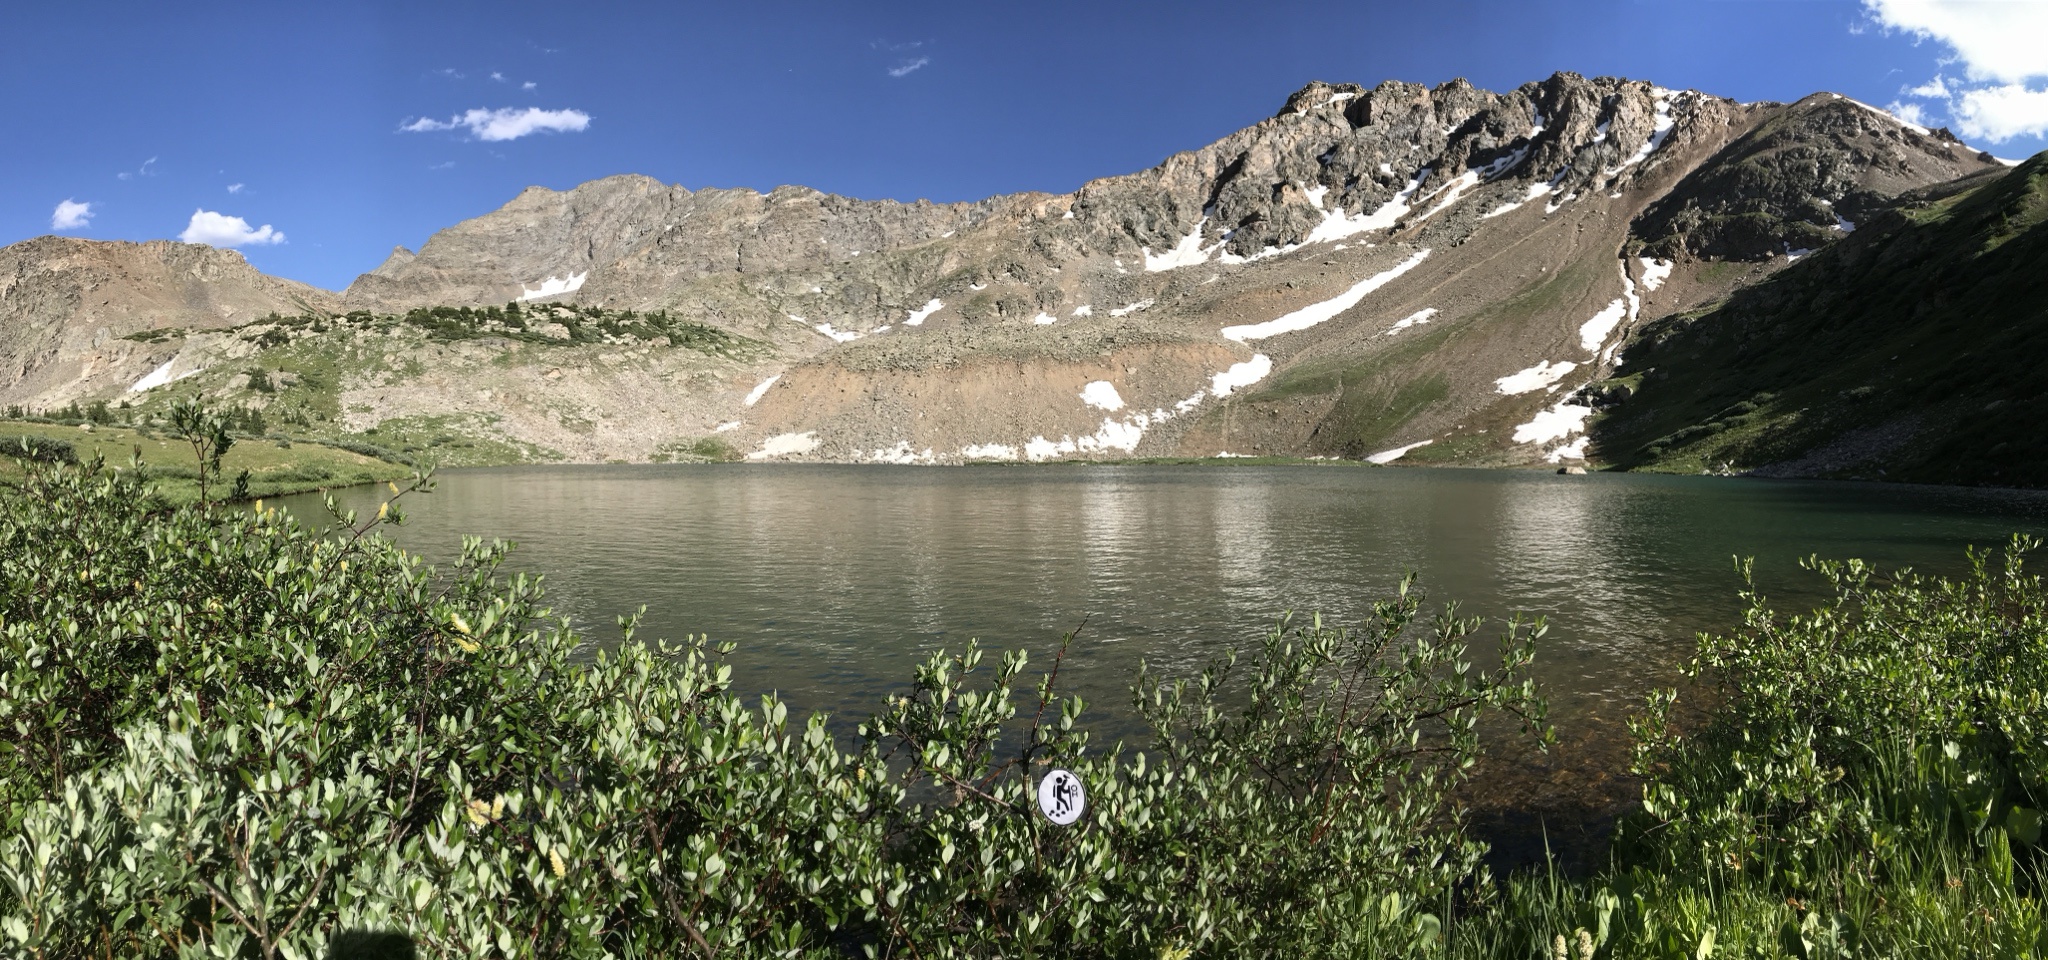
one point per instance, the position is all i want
(1340, 159)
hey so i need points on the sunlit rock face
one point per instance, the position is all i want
(1435, 271)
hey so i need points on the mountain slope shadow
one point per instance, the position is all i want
(1911, 350)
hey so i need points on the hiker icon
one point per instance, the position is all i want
(1061, 797)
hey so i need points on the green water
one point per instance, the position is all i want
(834, 581)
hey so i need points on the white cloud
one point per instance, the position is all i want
(1936, 87)
(528, 85)
(1996, 40)
(1997, 43)
(506, 123)
(221, 230)
(451, 73)
(71, 215)
(235, 188)
(2000, 113)
(442, 166)
(495, 75)
(909, 67)
(1912, 113)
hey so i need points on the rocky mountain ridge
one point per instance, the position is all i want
(1400, 271)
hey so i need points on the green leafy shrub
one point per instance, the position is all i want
(224, 732)
(1891, 747)
(38, 449)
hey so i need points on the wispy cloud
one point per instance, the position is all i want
(235, 187)
(506, 123)
(495, 75)
(71, 215)
(442, 166)
(221, 230)
(908, 67)
(452, 73)
(142, 171)
(529, 85)
(1997, 45)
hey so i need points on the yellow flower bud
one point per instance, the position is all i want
(555, 861)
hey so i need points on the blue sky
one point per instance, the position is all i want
(346, 128)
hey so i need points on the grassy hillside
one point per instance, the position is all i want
(1911, 350)
(443, 385)
(275, 466)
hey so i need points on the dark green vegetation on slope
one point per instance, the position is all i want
(226, 730)
(1910, 350)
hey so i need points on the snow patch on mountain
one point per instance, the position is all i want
(554, 287)
(1240, 375)
(1316, 313)
(786, 444)
(1417, 318)
(1389, 456)
(1102, 394)
(1655, 272)
(1543, 376)
(1554, 423)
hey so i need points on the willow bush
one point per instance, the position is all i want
(1866, 780)
(229, 733)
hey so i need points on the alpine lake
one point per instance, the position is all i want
(834, 582)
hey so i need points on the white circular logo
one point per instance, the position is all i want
(1060, 797)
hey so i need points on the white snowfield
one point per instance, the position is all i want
(1660, 129)
(1102, 394)
(1044, 319)
(1124, 434)
(918, 316)
(1542, 376)
(785, 444)
(988, 451)
(1316, 313)
(1415, 319)
(1389, 456)
(760, 389)
(1554, 423)
(156, 378)
(1655, 272)
(840, 336)
(1240, 375)
(1336, 225)
(1185, 253)
(1575, 450)
(554, 286)
(1128, 309)
(901, 453)
(1594, 332)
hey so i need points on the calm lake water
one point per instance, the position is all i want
(835, 580)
